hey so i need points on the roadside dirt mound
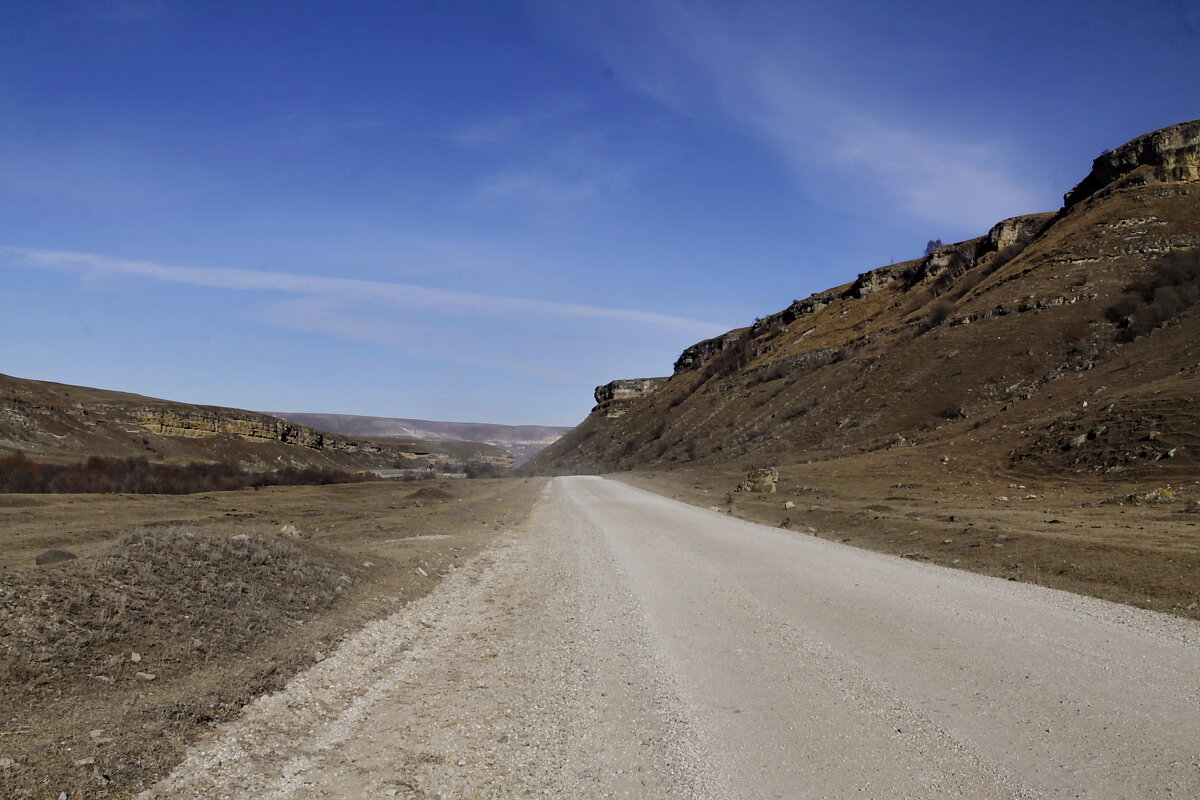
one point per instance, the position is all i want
(132, 626)
(172, 595)
(431, 493)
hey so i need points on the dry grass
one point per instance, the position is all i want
(173, 595)
(182, 599)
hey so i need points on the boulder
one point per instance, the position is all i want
(48, 557)
(760, 480)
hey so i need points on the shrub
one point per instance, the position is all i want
(939, 312)
(485, 469)
(99, 475)
(1003, 256)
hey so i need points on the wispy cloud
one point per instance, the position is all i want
(397, 294)
(838, 144)
(542, 338)
(543, 185)
(516, 128)
(573, 171)
(548, 155)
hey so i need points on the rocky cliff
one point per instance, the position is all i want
(1168, 155)
(614, 397)
(988, 340)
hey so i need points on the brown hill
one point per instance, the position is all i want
(1056, 344)
(54, 422)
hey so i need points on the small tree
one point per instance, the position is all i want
(931, 245)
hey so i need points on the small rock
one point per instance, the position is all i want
(1156, 496)
(147, 676)
(422, 573)
(294, 532)
(945, 459)
(135, 657)
(48, 557)
(789, 504)
(6, 763)
(85, 762)
(319, 656)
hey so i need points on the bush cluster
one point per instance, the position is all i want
(485, 469)
(100, 475)
(1168, 289)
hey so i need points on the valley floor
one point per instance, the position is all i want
(624, 645)
(490, 653)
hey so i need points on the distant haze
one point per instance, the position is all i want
(523, 441)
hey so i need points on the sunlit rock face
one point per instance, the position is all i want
(1163, 156)
(613, 398)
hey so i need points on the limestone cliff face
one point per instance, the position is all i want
(614, 397)
(1015, 230)
(1167, 155)
(200, 423)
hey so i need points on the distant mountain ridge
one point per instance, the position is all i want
(56, 422)
(523, 441)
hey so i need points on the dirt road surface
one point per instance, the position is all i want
(624, 645)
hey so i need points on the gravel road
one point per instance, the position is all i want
(625, 645)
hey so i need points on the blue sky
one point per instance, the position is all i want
(480, 210)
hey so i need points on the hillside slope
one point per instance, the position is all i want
(1056, 343)
(523, 441)
(60, 423)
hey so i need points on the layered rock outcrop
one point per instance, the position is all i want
(199, 423)
(1014, 230)
(614, 397)
(1166, 155)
